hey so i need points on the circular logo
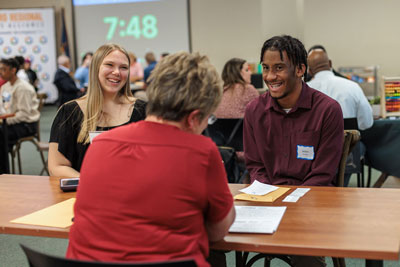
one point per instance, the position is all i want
(22, 49)
(43, 39)
(28, 40)
(37, 67)
(44, 58)
(14, 40)
(36, 49)
(1, 41)
(7, 50)
(45, 76)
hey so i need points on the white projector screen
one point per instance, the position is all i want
(139, 26)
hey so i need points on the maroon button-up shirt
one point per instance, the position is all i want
(302, 147)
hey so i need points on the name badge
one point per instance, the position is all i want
(305, 152)
(93, 134)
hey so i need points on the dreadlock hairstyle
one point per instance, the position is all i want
(295, 50)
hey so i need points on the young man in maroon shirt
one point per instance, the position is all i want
(293, 134)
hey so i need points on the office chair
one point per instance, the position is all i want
(38, 259)
(35, 140)
(356, 160)
(351, 138)
(228, 136)
(227, 132)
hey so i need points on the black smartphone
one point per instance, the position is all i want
(69, 184)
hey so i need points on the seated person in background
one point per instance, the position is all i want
(163, 55)
(107, 104)
(21, 74)
(164, 192)
(19, 97)
(349, 94)
(31, 74)
(67, 89)
(82, 73)
(136, 70)
(320, 47)
(292, 134)
(238, 91)
(151, 63)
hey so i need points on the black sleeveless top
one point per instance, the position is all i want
(67, 124)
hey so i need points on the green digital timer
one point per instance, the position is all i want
(146, 27)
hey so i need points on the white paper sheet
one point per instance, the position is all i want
(290, 199)
(256, 219)
(259, 189)
(299, 192)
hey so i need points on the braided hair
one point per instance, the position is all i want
(295, 50)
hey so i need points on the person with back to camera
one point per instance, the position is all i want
(107, 104)
(151, 63)
(164, 192)
(349, 95)
(136, 69)
(238, 90)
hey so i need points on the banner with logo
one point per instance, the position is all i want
(31, 33)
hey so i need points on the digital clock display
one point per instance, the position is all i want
(139, 26)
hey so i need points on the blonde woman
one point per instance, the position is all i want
(108, 104)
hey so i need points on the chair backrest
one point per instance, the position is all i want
(38, 259)
(351, 137)
(350, 124)
(42, 97)
(221, 130)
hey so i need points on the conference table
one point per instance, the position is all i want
(4, 149)
(326, 221)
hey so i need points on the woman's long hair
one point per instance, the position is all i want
(92, 112)
(231, 73)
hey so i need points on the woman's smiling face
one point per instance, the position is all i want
(114, 72)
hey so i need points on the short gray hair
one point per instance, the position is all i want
(61, 60)
(182, 83)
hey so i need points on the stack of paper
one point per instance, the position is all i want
(254, 219)
(261, 192)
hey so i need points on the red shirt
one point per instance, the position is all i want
(145, 192)
(302, 147)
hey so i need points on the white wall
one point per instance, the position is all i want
(224, 29)
(356, 32)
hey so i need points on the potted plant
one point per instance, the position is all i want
(376, 106)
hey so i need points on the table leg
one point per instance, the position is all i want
(373, 263)
(239, 259)
(5, 149)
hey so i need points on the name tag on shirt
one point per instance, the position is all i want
(305, 152)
